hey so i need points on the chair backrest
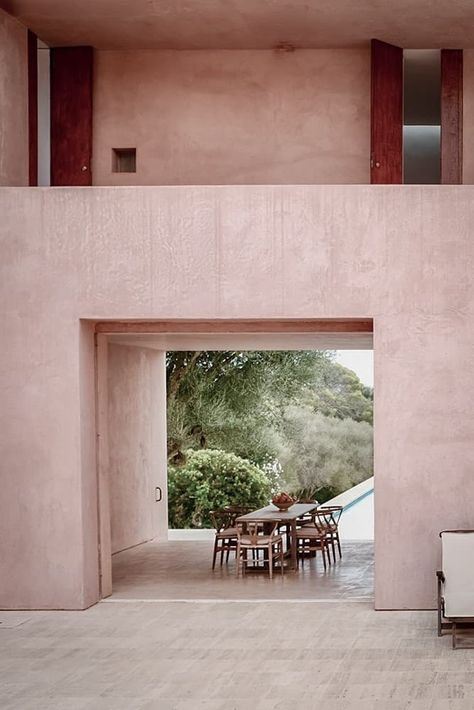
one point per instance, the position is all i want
(458, 570)
(320, 521)
(333, 512)
(235, 510)
(221, 519)
(252, 530)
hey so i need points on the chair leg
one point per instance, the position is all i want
(228, 552)
(237, 559)
(270, 561)
(323, 553)
(214, 554)
(333, 551)
(282, 557)
(338, 544)
(440, 628)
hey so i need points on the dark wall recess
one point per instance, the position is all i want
(33, 107)
(124, 160)
(71, 115)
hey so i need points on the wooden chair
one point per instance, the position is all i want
(312, 538)
(226, 534)
(305, 519)
(332, 515)
(456, 585)
(254, 540)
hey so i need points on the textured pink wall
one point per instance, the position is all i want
(402, 254)
(468, 118)
(13, 102)
(134, 401)
(231, 117)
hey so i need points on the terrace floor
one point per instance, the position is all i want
(182, 570)
(230, 656)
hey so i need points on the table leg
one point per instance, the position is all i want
(294, 559)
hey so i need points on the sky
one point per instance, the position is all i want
(360, 361)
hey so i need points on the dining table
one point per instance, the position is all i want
(289, 517)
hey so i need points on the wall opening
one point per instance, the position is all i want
(139, 351)
(44, 116)
(422, 116)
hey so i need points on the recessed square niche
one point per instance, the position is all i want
(124, 160)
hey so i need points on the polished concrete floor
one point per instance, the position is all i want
(230, 656)
(182, 570)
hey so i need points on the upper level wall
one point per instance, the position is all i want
(13, 102)
(233, 117)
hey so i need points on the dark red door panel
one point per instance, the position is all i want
(451, 115)
(386, 114)
(33, 107)
(71, 115)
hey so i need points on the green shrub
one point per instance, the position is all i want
(212, 479)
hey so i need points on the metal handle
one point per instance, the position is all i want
(158, 494)
(84, 168)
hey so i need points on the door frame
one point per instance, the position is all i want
(342, 328)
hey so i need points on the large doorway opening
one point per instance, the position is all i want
(152, 562)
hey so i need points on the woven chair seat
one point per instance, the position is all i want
(323, 528)
(308, 532)
(227, 533)
(246, 540)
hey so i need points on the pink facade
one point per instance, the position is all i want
(276, 233)
(402, 255)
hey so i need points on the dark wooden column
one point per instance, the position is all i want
(33, 107)
(386, 159)
(451, 116)
(71, 115)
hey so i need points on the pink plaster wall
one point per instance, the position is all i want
(13, 102)
(134, 468)
(231, 117)
(401, 254)
(468, 117)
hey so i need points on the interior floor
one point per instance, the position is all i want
(183, 570)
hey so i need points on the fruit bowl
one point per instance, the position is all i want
(283, 501)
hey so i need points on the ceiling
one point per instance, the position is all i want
(247, 24)
(247, 341)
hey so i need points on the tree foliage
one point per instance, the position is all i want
(209, 480)
(302, 418)
(234, 400)
(324, 454)
(338, 392)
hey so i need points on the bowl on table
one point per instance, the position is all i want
(283, 502)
